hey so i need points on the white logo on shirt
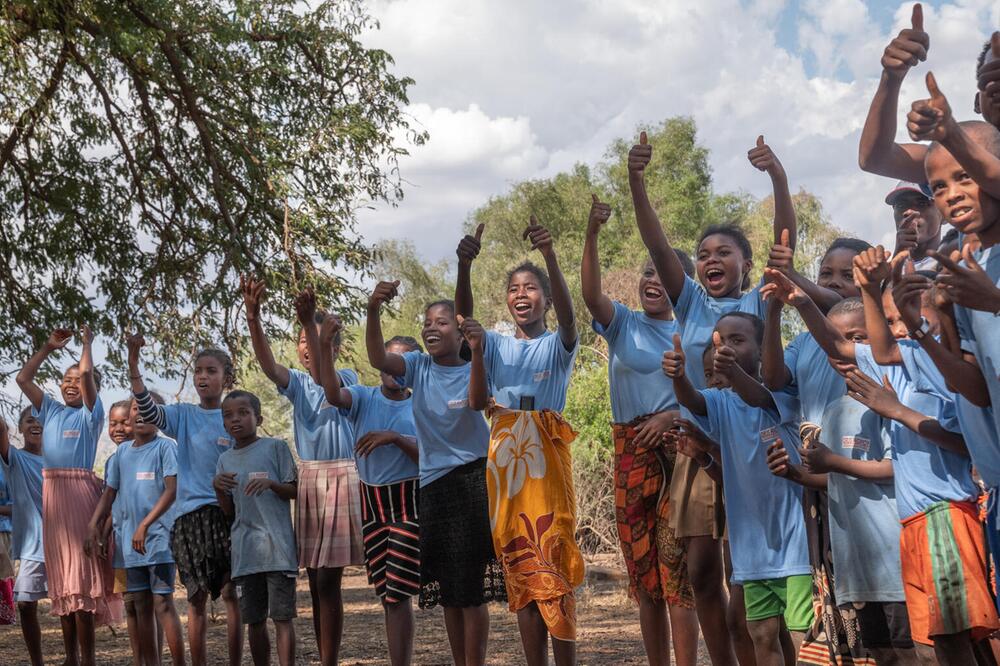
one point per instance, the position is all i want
(859, 443)
(223, 441)
(68, 434)
(769, 434)
(257, 475)
(542, 376)
(145, 476)
(458, 404)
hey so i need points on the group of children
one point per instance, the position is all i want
(831, 501)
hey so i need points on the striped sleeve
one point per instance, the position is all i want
(150, 411)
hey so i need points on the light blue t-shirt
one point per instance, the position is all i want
(767, 531)
(137, 473)
(864, 521)
(201, 439)
(370, 410)
(69, 434)
(5, 500)
(924, 473)
(814, 381)
(636, 343)
(449, 432)
(24, 479)
(539, 367)
(263, 538)
(320, 431)
(976, 423)
(697, 313)
(980, 334)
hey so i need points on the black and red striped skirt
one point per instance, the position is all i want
(391, 529)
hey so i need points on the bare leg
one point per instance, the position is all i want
(476, 623)
(133, 629)
(454, 624)
(68, 623)
(655, 628)
(85, 637)
(284, 632)
(736, 619)
(708, 580)
(145, 628)
(399, 631)
(169, 624)
(234, 625)
(534, 635)
(791, 641)
(260, 644)
(31, 631)
(317, 617)
(684, 625)
(331, 613)
(954, 649)
(766, 636)
(197, 628)
(563, 652)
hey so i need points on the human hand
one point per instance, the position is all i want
(778, 461)
(871, 268)
(383, 293)
(139, 539)
(673, 361)
(969, 286)
(539, 236)
(908, 48)
(472, 331)
(880, 398)
(779, 286)
(328, 330)
(639, 156)
(225, 482)
(469, 246)
(782, 255)
(599, 215)
(931, 119)
(374, 439)
(58, 339)
(763, 158)
(650, 432)
(254, 292)
(816, 458)
(305, 307)
(724, 358)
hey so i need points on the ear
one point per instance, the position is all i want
(260, 420)
(975, 104)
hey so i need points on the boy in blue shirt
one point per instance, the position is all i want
(255, 481)
(142, 482)
(766, 530)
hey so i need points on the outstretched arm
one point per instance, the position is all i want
(827, 337)
(600, 306)
(468, 250)
(26, 377)
(878, 151)
(374, 341)
(88, 383)
(148, 409)
(871, 269)
(335, 393)
(305, 312)
(562, 302)
(476, 337)
(773, 370)
(254, 292)
(667, 265)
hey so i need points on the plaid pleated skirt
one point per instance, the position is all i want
(391, 528)
(328, 514)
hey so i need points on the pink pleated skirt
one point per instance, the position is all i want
(76, 582)
(328, 514)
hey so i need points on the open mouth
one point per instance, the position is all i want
(715, 276)
(652, 293)
(432, 338)
(37, 432)
(960, 214)
(522, 308)
(202, 387)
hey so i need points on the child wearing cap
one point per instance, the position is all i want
(918, 222)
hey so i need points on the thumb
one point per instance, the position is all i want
(594, 198)
(532, 221)
(898, 263)
(917, 18)
(643, 139)
(885, 383)
(785, 235)
(395, 283)
(677, 343)
(479, 231)
(932, 87)
(970, 259)
(760, 140)
(716, 339)
(460, 319)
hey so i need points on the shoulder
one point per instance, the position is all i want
(348, 377)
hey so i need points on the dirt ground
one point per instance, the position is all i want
(608, 621)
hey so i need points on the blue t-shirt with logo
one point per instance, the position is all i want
(24, 480)
(69, 434)
(539, 367)
(372, 411)
(321, 433)
(814, 380)
(201, 439)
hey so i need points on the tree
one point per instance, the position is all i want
(151, 151)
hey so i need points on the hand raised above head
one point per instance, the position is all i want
(640, 155)
(908, 48)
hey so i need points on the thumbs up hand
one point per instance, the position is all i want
(724, 358)
(763, 158)
(639, 156)
(599, 214)
(673, 360)
(782, 255)
(469, 246)
(908, 48)
(930, 119)
(989, 78)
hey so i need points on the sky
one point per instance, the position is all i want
(518, 90)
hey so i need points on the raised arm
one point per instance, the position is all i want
(600, 306)
(148, 409)
(254, 292)
(26, 377)
(782, 258)
(882, 400)
(878, 151)
(335, 393)
(474, 334)
(871, 270)
(773, 370)
(374, 341)
(673, 367)
(562, 302)
(468, 250)
(827, 337)
(305, 312)
(763, 158)
(88, 383)
(164, 503)
(665, 260)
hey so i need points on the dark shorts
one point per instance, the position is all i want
(200, 544)
(269, 594)
(883, 624)
(155, 578)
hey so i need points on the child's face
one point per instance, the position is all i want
(739, 334)
(209, 377)
(70, 388)
(440, 333)
(303, 350)
(851, 325)
(139, 427)
(31, 430)
(525, 298)
(712, 380)
(836, 272)
(987, 106)
(893, 318)
(913, 205)
(957, 196)
(239, 419)
(721, 265)
(119, 424)
(388, 380)
(652, 295)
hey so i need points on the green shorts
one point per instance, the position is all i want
(790, 597)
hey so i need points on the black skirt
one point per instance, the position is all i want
(200, 544)
(458, 567)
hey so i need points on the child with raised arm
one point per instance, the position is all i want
(766, 532)
(458, 566)
(199, 540)
(328, 509)
(644, 407)
(527, 377)
(80, 585)
(255, 482)
(143, 475)
(23, 469)
(386, 453)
